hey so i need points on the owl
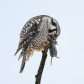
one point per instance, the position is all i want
(35, 34)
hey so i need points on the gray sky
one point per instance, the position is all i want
(69, 69)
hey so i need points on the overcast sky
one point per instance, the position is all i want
(69, 69)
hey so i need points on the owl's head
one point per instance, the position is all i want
(53, 26)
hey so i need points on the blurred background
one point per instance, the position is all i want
(69, 69)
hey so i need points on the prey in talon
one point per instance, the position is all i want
(53, 51)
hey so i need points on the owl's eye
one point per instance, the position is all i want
(53, 23)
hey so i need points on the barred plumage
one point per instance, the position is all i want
(35, 34)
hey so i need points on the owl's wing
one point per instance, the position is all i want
(29, 31)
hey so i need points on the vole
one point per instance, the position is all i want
(53, 51)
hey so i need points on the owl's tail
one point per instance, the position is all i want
(23, 63)
(26, 53)
(23, 53)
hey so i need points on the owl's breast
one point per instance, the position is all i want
(41, 46)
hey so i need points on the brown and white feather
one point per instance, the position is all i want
(34, 35)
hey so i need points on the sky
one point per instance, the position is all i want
(69, 69)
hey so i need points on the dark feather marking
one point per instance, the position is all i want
(52, 30)
(53, 23)
(30, 37)
(34, 28)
